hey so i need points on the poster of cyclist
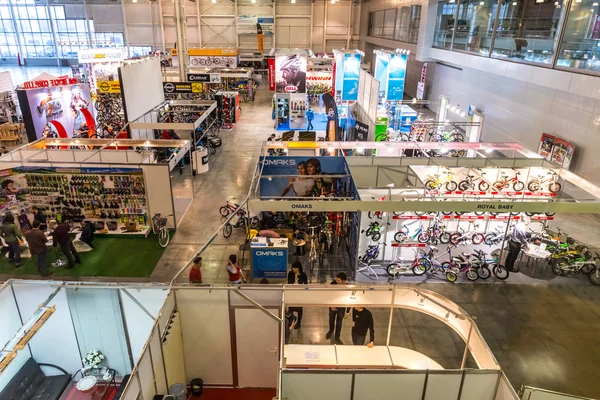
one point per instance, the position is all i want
(290, 73)
(562, 153)
(546, 145)
(298, 177)
(396, 77)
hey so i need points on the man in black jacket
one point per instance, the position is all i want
(60, 237)
(337, 315)
(362, 320)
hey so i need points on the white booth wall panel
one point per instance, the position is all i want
(338, 297)
(141, 85)
(337, 18)
(158, 363)
(98, 323)
(303, 386)
(443, 386)
(133, 389)
(140, 35)
(15, 365)
(114, 157)
(257, 337)
(146, 376)
(388, 386)
(138, 325)
(505, 390)
(151, 299)
(479, 385)
(166, 312)
(293, 33)
(9, 315)
(158, 190)
(137, 13)
(263, 297)
(56, 333)
(87, 156)
(60, 155)
(207, 352)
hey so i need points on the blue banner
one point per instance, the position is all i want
(382, 74)
(351, 74)
(269, 262)
(396, 77)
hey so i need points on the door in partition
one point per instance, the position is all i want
(257, 337)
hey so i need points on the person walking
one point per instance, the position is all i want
(337, 315)
(60, 237)
(310, 116)
(297, 277)
(234, 271)
(362, 321)
(516, 241)
(37, 246)
(195, 271)
(12, 234)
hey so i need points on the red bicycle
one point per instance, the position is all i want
(505, 182)
(230, 207)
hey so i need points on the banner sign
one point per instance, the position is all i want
(381, 74)
(290, 72)
(109, 86)
(396, 77)
(332, 128)
(246, 24)
(49, 83)
(302, 176)
(318, 82)
(271, 66)
(362, 132)
(421, 83)
(350, 77)
(269, 262)
(182, 87)
(205, 78)
(89, 56)
(214, 61)
(557, 150)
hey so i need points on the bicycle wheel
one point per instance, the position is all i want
(253, 223)
(423, 237)
(477, 238)
(430, 185)
(322, 251)
(371, 214)
(224, 211)
(451, 276)
(594, 277)
(484, 186)
(425, 263)
(483, 271)
(391, 269)
(400, 237)
(498, 185)
(518, 186)
(451, 186)
(490, 238)
(163, 237)
(559, 268)
(227, 229)
(445, 237)
(554, 187)
(455, 238)
(471, 274)
(419, 269)
(376, 236)
(533, 186)
(464, 185)
(499, 271)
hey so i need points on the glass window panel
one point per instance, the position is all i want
(444, 24)
(5, 12)
(378, 23)
(389, 20)
(47, 39)
(22, 12)
(8, 26)
(30, 51)
(3, 40)
(475, 25)
(31, 11)
(59, 12)
(402, 24)
(80, 25)
(44, 25)
(41, 12)
(61, 25)
(25, 26)
(580, 47)
(415, 22)
(528, 30)
(35, 26)
(71, 26)
(13, 51)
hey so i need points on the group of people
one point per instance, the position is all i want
(34, 233)
(234, 271)
(362, 319)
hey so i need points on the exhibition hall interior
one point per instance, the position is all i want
(299, 199)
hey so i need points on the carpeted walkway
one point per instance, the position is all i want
(115, 257)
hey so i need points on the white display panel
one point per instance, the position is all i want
(138, 324)
(146, 376)
(141, 85)
(9, 315)
(257, 337)
(15, 365)
(206, 308)
(158, 363)
(158, 189)
(338, 297)
(389, 386)
(325, 386)
(56, 333)
(443, 386)
(133, 389)
(505, 390)
(479, 385)
(166, 312)
(263, 297)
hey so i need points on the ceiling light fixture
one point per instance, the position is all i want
(514, 3)
(595, 5)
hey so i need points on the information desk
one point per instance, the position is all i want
(356, 357)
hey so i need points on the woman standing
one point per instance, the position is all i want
(297, 277)
(234, 271)
(11, 235)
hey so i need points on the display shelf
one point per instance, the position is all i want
(396, 244)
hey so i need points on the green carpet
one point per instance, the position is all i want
(118, 257)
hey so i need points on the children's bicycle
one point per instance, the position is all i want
(371, 253)
(229, 207)
(159, 227)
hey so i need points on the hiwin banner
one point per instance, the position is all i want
(382, 74)
(271, 64)
(290, 72)
(351, 74)
(300, 176)
(396, 77)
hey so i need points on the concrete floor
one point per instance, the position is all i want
(542, 335)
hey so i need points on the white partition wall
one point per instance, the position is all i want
(158, 191)
(317, 386)
(141, 85)
(10, 322)
(206, 335)
(389, 386)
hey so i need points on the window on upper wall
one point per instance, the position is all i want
(377, 23)
(139, 51)
(34, 23)
(389, 21)
(475, 25)
(580, 47)
(8, 38)
(400, 24)
(528, 30)
(444, 24)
